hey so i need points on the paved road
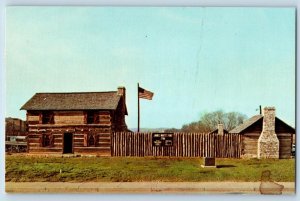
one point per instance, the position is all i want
(151, 187)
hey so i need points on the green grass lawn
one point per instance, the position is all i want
(26, 168)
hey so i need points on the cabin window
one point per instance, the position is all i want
(47, 140)
(91, 141)
(47, 118)
(92, 117)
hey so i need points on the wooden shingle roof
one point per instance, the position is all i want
(246, 124)
(253, 120)
(73, 101)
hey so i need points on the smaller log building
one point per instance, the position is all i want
(253, 128)
(14, 127)
(75, 123)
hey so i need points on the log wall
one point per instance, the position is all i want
(249, 145)
(33, 117)
(250, 141)
(79, 124)
(184, 145)
(285, 145)
(74, 117)
(102, 146)
(70, 117)
(105, 118)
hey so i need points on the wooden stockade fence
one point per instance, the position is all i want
(184, 145)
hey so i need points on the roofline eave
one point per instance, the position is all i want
(65, 109)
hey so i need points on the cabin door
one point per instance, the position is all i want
(68, 143)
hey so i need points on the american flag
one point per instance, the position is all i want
(145, 94)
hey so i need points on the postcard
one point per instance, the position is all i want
(150, 100)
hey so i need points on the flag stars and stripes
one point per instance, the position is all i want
(145, 94)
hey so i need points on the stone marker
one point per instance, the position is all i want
(209, 162)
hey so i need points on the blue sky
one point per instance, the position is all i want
(195, 60)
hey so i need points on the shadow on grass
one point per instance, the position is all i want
(225, 166)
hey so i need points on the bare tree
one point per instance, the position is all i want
(194, 127)
(233, 119)
(210, 120)
(230, 120)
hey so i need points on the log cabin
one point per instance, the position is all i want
(75, 123)
(253, 130)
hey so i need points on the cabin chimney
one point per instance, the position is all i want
(122, 92)
(268, 143)
(220, 129)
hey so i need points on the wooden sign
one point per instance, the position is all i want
(162, 139)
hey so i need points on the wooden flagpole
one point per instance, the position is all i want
(138, 129)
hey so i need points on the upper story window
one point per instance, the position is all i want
(92, 117)
(47, 118)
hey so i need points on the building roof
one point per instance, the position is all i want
(73, 101)
(253, 120)
(246, 124)
(12, 118)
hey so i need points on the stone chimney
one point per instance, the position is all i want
(220, 129)
(122, 92)
(268, 143)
